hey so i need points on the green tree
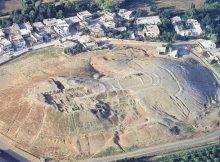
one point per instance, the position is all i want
(32, 15)
(141, 13)
(59, 14)
(153, 7)
(106, 4)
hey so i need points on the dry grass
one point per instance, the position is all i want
(179, 4)
(9, 5)
(162, 4)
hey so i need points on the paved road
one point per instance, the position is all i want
(7, 155)
(184, 144)
(14, 153)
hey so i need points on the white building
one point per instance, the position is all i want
(196, 30)
(5, 45)
(108, 16)
(151, 20)
(39, 26)
(209, 48)
(92, 45)
(2, 34)
(26, 26)
(16, 37)
(173, 53)
(18, 42)
(128, 15)
(25, 32)
(121, 29)
(62, 28)
(207, 44)
(96, 30)
(87, 42)
(191, 27)
(69, 44)
(50, 22)
(38, 39)
(26, 29)
(73, 22)
(84, 15)
(162, 50)
(151, 31)
(176, 19)
(109, 25)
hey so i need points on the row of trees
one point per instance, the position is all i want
(117, 34)
(208, 154)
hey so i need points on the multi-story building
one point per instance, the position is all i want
(5, 45)
(109, 25)
(39, 27)
(151, 31)
(96, 30)
(18, 43)
(108, 16)
(126, 14)
(73, 22)
(84, 15)
(16, 38)
(62, 28)
(50, 22)
(42, 30)
(2, 34)
(38, 39)
(191, 27)
(26, 26)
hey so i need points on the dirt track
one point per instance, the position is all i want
(156, 150)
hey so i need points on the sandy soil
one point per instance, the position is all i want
(141, 98)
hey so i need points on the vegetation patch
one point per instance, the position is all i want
(216, 66)
(107, 152)
(187, 128)
(46, 53)
(206, 153)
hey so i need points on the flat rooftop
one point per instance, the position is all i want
(84, 14)
(152, 20)
(72, 20)
(50, 22)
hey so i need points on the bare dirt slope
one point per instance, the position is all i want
(118, 100)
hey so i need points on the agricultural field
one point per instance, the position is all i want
(9, 5)
(161, 4)
(207, 153)
(164, 4)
